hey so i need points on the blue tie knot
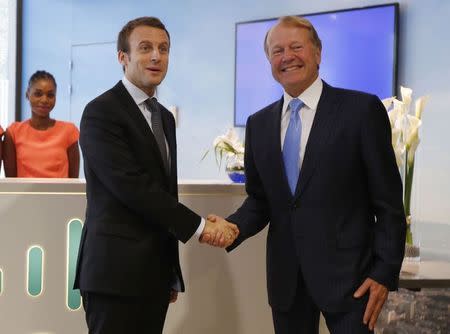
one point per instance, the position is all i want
(295, 105)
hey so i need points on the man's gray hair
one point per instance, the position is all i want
(298, 22)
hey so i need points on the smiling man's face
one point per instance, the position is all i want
(147, 61)
(293, 57)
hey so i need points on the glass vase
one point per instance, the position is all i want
(235, 169)
(412, 245)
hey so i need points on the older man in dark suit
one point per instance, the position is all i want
(128, 267)
(321, 169)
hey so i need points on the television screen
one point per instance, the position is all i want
(359, 51)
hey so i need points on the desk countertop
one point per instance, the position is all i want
(426, 274)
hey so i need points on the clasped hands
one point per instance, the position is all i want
(218, 232)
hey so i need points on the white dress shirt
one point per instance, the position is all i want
(139, 97)
(310, 97)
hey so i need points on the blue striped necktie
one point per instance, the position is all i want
(291, 146)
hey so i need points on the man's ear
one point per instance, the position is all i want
(123, 58)
(318, 56)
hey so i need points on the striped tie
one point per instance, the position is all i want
(157, 128)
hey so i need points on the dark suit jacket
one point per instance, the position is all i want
(345, 221)
(129, 242)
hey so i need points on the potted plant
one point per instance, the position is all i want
(229, 147)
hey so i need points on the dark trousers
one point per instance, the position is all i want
(303, 317)
(110, 314)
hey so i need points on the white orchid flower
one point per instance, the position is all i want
(218, 140)
(411, 129)
(399, 147)
(400, 156)
(388, 102)
(396, 115)
(396, 137)
(406, 94)
(414, 143)
(232, 135)
(405, 127)
(412, 137)
(229, 142)
(229, 145)
(420, 104)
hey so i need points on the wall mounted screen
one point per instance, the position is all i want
(359, 51)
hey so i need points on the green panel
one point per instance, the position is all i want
(73, 241)
(35, 270)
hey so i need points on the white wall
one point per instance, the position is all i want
(201, 75)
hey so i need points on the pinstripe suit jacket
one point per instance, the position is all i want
(345, 222)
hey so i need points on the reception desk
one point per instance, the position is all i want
(427, 274)
(40, 224)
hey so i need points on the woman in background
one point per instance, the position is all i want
(41, 146)
(1, 145)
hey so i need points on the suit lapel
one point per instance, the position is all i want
(135, 113)
(318, 137)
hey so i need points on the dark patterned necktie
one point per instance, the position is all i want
(157, 128)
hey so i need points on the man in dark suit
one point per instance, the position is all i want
(321, 169)
(128, 266)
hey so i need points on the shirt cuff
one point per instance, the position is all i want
(176, 285)
(199, 230)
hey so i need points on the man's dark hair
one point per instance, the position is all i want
(149, 21)
(40, 75)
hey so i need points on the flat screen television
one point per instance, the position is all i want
(359, 51)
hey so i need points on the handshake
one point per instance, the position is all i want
(218, 232)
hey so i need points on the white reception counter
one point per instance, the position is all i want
(40, 225)
(39, 231)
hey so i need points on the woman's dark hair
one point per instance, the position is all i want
(40, 75)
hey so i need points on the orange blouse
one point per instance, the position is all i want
(43, 153)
